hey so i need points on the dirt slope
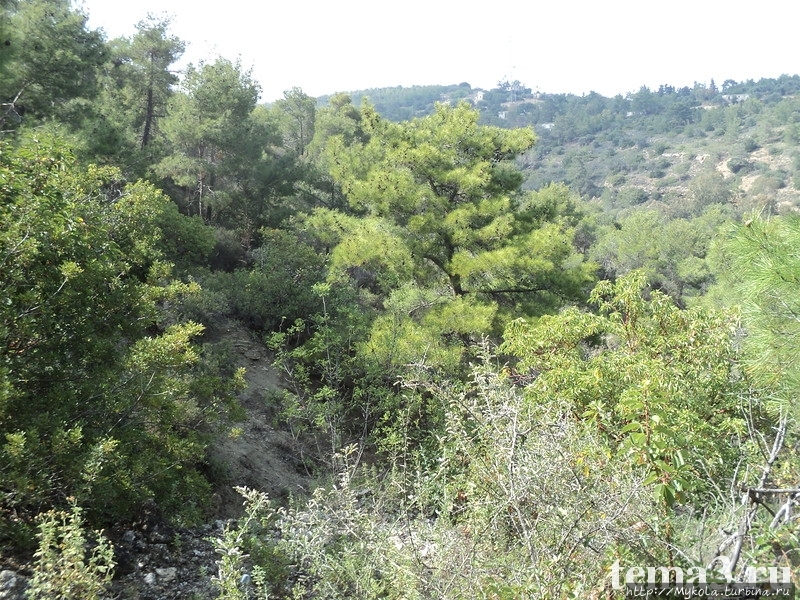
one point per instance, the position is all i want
(263, 455)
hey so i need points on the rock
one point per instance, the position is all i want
(161, 534)
(167, 575)
(12, 586)
(128, 537)
(159, 552)
(179, 571)
(126, 561)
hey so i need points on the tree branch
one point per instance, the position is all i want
(747, 518)
(519, 290)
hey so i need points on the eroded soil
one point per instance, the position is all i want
(262, 453)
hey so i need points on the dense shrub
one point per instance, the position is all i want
(521, 502)
(276, 288)
(69, 564)
(100, 399)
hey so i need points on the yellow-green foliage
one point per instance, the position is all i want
(425, 326)
(444, 213)
(65, 566)
(97, 400)
(656, 380)
(440, 250)
(760, 271)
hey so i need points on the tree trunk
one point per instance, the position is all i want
(148, 118)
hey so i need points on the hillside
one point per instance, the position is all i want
(448, 343)
(644, 148)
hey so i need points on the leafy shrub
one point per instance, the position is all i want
(710, 187)
(662, 393)
(334, 387)
(207, 304)
(739, 164)
(100, 399)
(768, 184)
(516, 500)
(69, 565)
(631, 196)
(227, 253)
(249, 544)
(276, 288)
(750, 145)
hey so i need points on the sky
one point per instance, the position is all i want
(560, 46)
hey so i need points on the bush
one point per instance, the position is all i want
(69, 564)
(227, 253)
(631, 196)
(100, 399)
(276, 288)
(750, 145)
(245, 544)
(739, 164)
(515, 500)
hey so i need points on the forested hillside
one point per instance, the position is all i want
(527, 341)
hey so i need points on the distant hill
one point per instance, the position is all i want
(646, 148)
(404, 103)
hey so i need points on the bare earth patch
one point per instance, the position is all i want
(261, 455)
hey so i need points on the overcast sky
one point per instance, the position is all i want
(608, 46)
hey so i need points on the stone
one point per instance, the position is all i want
(161, 534)
(8, 580)
(159, 552)
(167, 575)
(150, 579)
(129, 537)
(12, 585)
(126, 561)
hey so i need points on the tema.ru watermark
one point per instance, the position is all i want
(701, 581)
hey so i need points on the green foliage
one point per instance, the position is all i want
(469, 170)
(278, 286)
(68, 564)
(631, 197)
(670, 252)
(371, 251)
(100, 401)
(708, 188)
(51, 63)
(297, 112)
(405, 103)
(418, 243)
(517, 501)
(135, 90)
(655, 380)
(739, 164)
(247, 541)
(444, 195)
(759, 271)
(335, 388)
(208, 129)
(445, 249)
(340, 118)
